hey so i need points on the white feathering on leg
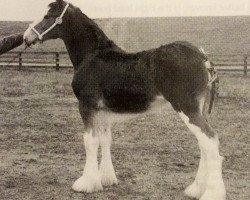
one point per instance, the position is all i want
(90, 180)
(107, 171)
(215, 188)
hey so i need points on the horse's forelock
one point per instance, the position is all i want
(53, 5)
(56, 6)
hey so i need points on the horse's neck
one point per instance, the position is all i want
(78, 51)
(84, 38)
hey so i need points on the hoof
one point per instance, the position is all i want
(107, 173)
(214, 194)
(87, 184)
(194, 191)
(215, 191)
(108, 177)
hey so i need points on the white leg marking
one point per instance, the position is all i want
(107, 171)
(90, 180)
(211, 172)
(198, 187)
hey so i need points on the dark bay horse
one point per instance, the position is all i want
(112, 85)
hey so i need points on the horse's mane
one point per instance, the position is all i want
(54, 5)
(108, 50)
(93, 27)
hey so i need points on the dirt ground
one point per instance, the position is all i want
(155, 156)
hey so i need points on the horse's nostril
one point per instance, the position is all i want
(25, 40)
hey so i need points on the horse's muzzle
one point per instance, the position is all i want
(30, 37)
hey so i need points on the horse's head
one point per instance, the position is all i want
(51, 26)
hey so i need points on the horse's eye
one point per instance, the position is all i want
(46, 17)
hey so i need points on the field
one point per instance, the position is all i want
(217, 35)
(155, 156)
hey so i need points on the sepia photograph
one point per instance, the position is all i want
(124, 100)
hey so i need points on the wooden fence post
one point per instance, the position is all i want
(245, 65)
(57, 61)
(20, 61)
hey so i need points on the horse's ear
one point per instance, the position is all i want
(60, 2)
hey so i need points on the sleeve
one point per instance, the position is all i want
(11, 42)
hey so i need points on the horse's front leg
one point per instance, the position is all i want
(107, 171)
(90, 180)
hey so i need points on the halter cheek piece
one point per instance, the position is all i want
(57, 21)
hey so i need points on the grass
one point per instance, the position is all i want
(155, 156)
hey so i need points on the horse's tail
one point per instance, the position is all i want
(212, 82)
(213, 90)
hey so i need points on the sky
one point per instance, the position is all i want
(28, 10)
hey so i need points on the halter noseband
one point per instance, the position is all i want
(57, 21)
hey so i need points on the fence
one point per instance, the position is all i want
(36, 60)
(61, 60)
(233, 62)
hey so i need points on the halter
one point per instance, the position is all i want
(58, 20)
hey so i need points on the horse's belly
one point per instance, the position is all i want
(106, 115)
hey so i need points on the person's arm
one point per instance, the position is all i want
(11, 42)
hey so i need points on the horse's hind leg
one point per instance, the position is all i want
(208, 184)
(198, 187)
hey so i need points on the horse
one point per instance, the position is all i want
(112, 85)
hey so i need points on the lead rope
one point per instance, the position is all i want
(214, 76)
(213, 83)
(15, 57)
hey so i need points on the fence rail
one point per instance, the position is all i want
(60, 60)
